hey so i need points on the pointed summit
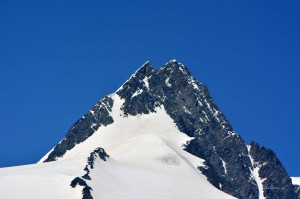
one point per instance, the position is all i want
(173, 66)
(145, 69)
(135, 87)
(149, 95)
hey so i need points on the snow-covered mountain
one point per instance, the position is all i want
(160, 135)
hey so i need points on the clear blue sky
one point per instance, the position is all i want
(58, 58)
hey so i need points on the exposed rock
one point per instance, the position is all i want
(86, 176)
(84, 128)
(78, 181)
(99, 152)
(276, 182)
(86, 191)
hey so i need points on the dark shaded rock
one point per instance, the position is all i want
(97, 152)
(86, 192)
(210, 172)
(86, 176)
(84, 128)
(227, 179)
(276, 182)
(78, 181)
(136, 91)
(86, 169)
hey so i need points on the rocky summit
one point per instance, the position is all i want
(160, 135)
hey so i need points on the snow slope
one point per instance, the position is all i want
(35, 181)
(296, 180)
(147, 160)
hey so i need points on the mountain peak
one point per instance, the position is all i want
(172, 91)
(173, 60)
(141, 75)
(145, 68)
(173, 67)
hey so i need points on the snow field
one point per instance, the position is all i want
(146, 161)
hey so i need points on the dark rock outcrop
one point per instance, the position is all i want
(84, 128)
(98, 152)
(136, 91)
(276, 182)
(86, 191)
(78, 181)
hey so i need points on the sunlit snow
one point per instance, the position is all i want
(296, 180)
(146, 161)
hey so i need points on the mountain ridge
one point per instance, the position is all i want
(169, 110)
(185, 100)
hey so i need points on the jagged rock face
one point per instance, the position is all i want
(227, 160)
(276, 182)
(84, 127)
(189, 104)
